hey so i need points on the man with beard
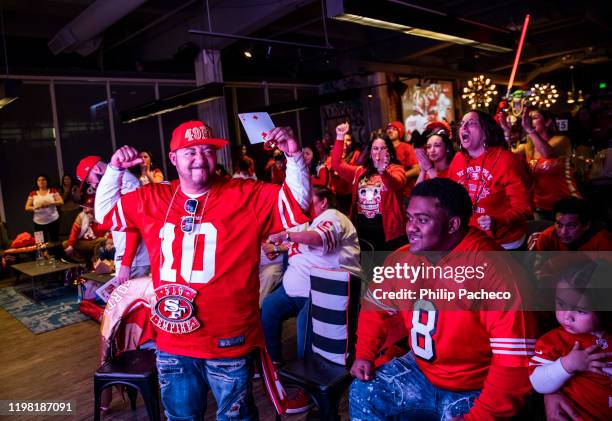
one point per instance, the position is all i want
(203, 234)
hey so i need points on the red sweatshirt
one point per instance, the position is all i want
(499, 187)
(407, 158)
(339, 185)
(322, 179)
(461, 350)
(394, 178)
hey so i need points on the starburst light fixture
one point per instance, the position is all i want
(479, 92)
(544, 95)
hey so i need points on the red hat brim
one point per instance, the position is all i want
(216, 143)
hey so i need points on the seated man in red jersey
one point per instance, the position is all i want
(468, 359)
(573, 230)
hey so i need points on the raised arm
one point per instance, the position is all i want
(297, 178)
(344, 170)
(558, 145)
(109, 190)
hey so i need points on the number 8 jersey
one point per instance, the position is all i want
(206, 272)
(458, 343)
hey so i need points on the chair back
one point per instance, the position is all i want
(367, 258)
(334, 308)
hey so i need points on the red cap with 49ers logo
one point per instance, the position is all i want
(192, 133)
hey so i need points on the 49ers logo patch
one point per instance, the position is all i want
(175, 311)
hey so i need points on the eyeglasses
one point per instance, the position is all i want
(188, 222)
(469, 123)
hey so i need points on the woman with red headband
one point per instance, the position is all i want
(376, 207)
(495, 179)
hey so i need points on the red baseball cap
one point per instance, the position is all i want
(85, 165)
(192, 133)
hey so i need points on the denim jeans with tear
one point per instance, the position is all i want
(400, 391)
(185, 381)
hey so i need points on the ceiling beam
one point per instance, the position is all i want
(431, 72)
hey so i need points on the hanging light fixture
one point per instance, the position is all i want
(479, 92)
(544, 95)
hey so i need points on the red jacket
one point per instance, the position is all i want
(394, 178)
(499, 187)
(339, 185)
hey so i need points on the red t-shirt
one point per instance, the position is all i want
(441, 174)
(553, 179)
(590, 393)
(407, 158)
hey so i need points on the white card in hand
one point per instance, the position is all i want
(257, 126)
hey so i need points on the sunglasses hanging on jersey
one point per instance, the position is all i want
(188, 222)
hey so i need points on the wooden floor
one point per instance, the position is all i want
(59, 365)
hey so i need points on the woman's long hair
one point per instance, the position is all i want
(448, 143)
(369, 163)
(314, 164)
(547, 115)
(351, 150)
(494, 135)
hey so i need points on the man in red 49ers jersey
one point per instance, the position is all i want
(468, 360)
(203, 235)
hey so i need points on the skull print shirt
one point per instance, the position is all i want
(369, 196)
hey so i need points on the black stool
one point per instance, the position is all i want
(323, 380)
(135, 369)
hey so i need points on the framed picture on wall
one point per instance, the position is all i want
(426, 102)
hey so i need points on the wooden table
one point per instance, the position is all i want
(34, 270)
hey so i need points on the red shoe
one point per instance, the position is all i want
(301, 402)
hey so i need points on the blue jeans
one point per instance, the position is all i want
(400, 390)
(184, 384)
(276, 308)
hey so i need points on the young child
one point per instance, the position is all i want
(575, 359)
